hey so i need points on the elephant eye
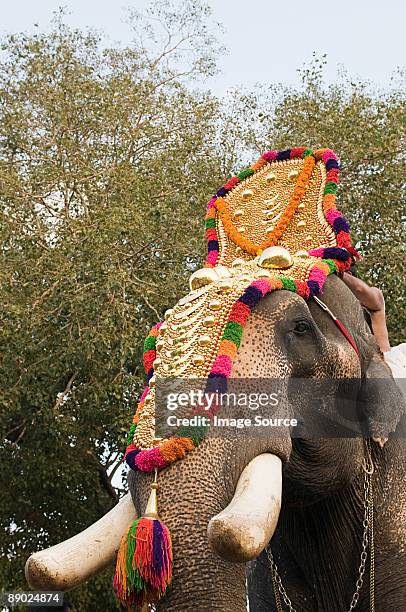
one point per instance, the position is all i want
(301, 327)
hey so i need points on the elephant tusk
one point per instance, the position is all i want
(72, 562)
(242, 530)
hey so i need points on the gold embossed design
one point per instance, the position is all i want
(267, 203)
(187, 347)
(178, 337)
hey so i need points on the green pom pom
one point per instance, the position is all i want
(288, 284)
(307, 153)
(150, 343)
(244, 173)
(331, 264)
(330, 188)
(233, 332)
(210, 223)
(131, 433)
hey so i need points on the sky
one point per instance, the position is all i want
(267, 40)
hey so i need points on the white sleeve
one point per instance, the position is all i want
(396, 360)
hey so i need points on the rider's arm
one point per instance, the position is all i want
(372, 299)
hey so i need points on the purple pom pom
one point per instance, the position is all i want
(341, 225)
(251, 296)
(314, 287)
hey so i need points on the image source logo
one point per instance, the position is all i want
(208, 406)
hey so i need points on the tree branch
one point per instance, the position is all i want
(61, 396)
(106, 484)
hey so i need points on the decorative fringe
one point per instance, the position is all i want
(144, 563)
(144, 560)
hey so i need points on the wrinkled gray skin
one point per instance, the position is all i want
(317, 543)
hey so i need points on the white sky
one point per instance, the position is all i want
(267, 40)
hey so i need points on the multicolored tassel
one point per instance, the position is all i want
(144, 560)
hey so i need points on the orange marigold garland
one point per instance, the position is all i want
(334, 217)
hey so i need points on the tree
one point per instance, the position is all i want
(106, 161)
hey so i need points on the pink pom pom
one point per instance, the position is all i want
(222, 365)
(316, 253)
(329, 154)
(211, 202)
(318, 275)
(270, 155)
(332, 214)
(212, 257)
(148, 460)
(262, 285)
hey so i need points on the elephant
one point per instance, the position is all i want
(223, 503)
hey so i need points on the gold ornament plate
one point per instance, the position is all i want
(259, 201)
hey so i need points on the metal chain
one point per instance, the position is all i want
(275, 584)
(367, 540)
(277, 581)
(371, 532)
(368, 510)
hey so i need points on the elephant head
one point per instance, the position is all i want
(222, 501)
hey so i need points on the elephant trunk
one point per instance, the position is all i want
(215, 530)
(202, 579)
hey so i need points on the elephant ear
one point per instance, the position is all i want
(381, 402)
